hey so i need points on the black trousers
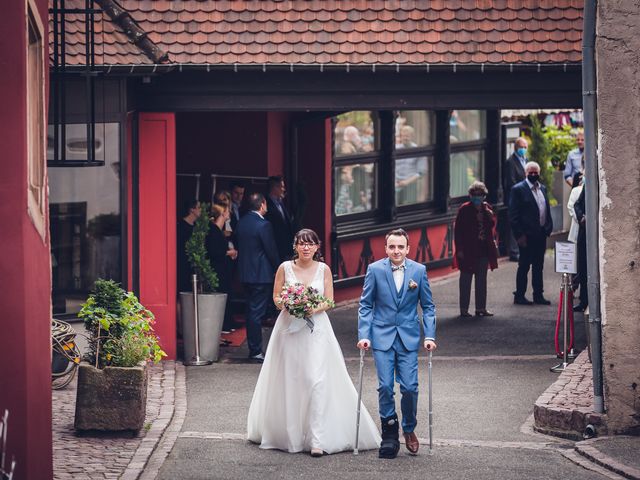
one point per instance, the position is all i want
(531, 256)
(582, 266)
(259, 297)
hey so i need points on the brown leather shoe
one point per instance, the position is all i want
(411, 442)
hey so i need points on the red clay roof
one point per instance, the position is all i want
(340, 32)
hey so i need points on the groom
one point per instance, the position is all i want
(388, 323)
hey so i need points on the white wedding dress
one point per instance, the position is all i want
(304, 397)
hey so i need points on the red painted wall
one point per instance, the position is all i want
(277, 142)
(314, 179)
(157, 214)
(25, 271)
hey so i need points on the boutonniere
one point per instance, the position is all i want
(412, 285)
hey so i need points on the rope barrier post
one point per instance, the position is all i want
(566, 285)
(196, 360)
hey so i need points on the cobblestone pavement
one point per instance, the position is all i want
(110, 456)
(566, 407)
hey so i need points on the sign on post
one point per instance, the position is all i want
(566, 258)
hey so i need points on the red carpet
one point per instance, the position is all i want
(237, 337)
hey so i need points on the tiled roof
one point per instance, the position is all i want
(341, 32)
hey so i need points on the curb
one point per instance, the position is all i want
(588, 450)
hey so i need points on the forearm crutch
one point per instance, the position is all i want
(430, 404)
(355, 445)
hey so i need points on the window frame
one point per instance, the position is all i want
(479, 145)
(36, 122)
(419, 151)
(375, 157)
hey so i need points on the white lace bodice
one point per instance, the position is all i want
(318, 278)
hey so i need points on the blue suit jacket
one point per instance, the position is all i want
(524, 216)
(257, 251)
(383, 312)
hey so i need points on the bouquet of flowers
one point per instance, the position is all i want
(300, 301)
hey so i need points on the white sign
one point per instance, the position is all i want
(566, 261)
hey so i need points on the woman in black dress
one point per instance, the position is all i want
(221, 257)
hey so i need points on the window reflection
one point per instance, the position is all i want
(84, 212)
(466, 167)
(414, 180)
(354, 188)
(467, 125)
(414, 129)
(354, 133)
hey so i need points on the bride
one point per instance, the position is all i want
(304, 398)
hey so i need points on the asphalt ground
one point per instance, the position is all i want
(487, 374)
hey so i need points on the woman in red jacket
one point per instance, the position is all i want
(476, 248)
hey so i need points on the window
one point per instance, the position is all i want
(355, 188)
(85, 219)
(356, 158)
(35, 127)
(468, 144)
(354, 133)
(414, 146)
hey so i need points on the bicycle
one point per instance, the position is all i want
(66, 355)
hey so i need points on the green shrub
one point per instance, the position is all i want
(120, 328)
(540, 152)
(196, 249)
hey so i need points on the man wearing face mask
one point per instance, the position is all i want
(530, 220)
(514, 173)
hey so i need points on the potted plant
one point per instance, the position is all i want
(211, 304)
(112, 379)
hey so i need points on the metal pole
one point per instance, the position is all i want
(565, 314)
(196, 360)
(430, 403)
(355, 446)
(589, 105)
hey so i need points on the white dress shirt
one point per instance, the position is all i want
(542, 204)
(398, 277)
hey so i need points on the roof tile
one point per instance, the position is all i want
(332, 31)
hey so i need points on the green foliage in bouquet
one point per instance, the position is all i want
(196, 250)
(120, 328)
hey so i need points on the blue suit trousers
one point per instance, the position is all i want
(400, 363)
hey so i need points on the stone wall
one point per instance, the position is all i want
(618, 63)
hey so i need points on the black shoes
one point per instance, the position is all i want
(579, 308)
(540, 300)
(259, 358)
(390, 444)
(522, 300)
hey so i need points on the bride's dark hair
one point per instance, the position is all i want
(306, 235)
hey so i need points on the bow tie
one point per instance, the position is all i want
(398, 267)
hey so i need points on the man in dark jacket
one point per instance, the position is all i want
(531, 224)
(257, 263)
(513, 173)
(279, 217)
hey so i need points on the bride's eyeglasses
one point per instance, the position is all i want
(307, 245)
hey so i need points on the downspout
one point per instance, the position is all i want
(589, 106)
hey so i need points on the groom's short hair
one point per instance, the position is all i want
(398, 232)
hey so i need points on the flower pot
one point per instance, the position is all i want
(111, 399)
(211, 308)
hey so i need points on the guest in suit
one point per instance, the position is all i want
(388, 323)
(257, 263)
(514, 173)
(237, 196)
(476, 250)
(530, 219)
(580, 211)
(221, 257)
(280, 218)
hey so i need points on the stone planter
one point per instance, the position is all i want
(111, 399)
(211, 308)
